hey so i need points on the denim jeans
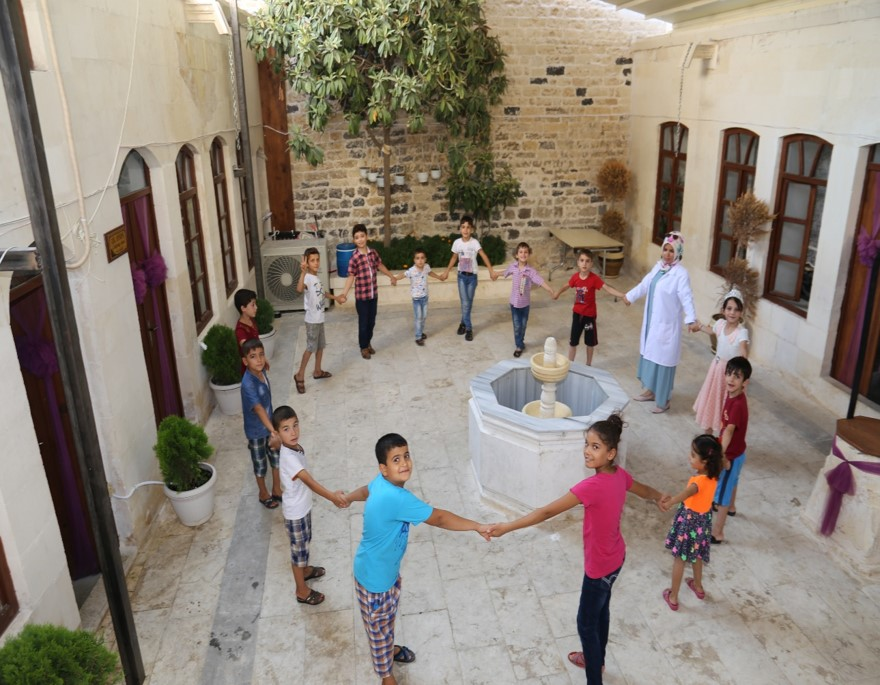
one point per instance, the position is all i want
(366, 310)
(420, 313)
(520, 316)
(593, 618)
(467, 286)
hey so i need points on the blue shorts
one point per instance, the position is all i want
(728, 480)
(261, 453)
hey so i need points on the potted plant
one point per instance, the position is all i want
(54, 654)
(435, 173)
(423, 176)
(400, 176)
(372, 176)
(181, 448)
(265, 320)
(222, 359)
(614, 180)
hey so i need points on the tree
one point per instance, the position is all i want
(375, 62)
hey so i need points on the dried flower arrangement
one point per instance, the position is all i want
(613, 179)
(613, 224)
(748, 218)
(737, 273)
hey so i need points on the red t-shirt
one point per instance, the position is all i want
(243, 333)
(585, 294)
(603, 496)
(736, 412)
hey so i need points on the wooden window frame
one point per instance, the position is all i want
(8, 600)
(221, 199)
(193, 237)
(678, 154)
(245, 207)
(804, 177)
(743, 169)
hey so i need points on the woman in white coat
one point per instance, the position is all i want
(668, 299)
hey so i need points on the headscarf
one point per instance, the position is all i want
(675, 239)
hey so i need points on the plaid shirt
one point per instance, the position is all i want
(521, 292)
(363, 267)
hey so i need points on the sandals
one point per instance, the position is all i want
(323, 374)
(404, 655)
(660, 410)
(317, 572)
(314, 598)
(646, 396)
(693, 586)
(577, 659)
(269, 502)
(517, 353)
(300, 385)
(672, 605)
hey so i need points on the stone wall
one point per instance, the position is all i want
(566, 110)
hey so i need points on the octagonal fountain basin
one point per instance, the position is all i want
(520, 461)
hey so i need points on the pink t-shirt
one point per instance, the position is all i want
(603, 496)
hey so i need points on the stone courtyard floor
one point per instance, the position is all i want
(215, 604)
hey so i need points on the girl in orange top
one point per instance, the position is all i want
(688, 538)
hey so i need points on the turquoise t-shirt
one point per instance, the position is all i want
(388, 513)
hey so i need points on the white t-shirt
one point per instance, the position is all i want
(313, 295)
(296, 498)
(418, 281)
(467, 254)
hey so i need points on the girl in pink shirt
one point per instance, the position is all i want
(603, 496)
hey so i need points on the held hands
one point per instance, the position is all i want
(274, 441)
(340, 500)
(626, 301)
(725, 464)
(340, 299)
(557, 293)
(695, 327)
(664, 503)
(485, 531)
(493, 274)
(393, 279)
(443, 276)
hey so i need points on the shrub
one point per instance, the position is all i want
(53, 655)
(180, 446)
(613, 224)
(613, 179)
(222, 357)
(438, 248)
(265, 318)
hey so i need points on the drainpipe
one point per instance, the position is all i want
(41, 207)
(246, 147)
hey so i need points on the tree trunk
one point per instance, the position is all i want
(386, 171)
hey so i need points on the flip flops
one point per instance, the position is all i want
(317, 572)
(646, 396)
(313, 599)
(323, 374)
(699, 593)
(577, 659)
(666, 595)
(300, 385)
(404, 655)
(660, 410)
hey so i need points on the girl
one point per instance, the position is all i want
(733, 341)
(602, 496)
(691, 530)
(521, 294)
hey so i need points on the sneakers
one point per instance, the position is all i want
(461, 329)
(365, 353)
(469, 334)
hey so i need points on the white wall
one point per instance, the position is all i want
(811, 72)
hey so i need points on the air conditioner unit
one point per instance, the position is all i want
(282, 261)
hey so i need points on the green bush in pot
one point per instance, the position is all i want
(221, 355)
(180, 446)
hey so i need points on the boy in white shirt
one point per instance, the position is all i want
(418, 288)
(313, 295)
(465, 250)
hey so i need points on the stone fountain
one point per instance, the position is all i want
(520, 459)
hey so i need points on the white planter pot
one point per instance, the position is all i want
(372, 176)
(268, 340)
(435, 174)
(363, 171)
(194, 507)
(228, 398)
(423, 176)
(399, 179)
(380, 181)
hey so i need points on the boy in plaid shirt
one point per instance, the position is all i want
(362, 269)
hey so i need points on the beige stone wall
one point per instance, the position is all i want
(565, 112)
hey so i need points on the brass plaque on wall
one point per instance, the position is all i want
(116, 243)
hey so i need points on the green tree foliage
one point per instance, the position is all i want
(477, 183)
(221, 355)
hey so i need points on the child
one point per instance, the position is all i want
(256, 407)
(296, 504)
(314, 295)
(603, 496)
(363, 267)
(246, 329)
(733, 340)
(583, 315)
(418, 287)
(465, 250)
(521, 294)
(388, 514)
(734, 423)
(688, 538)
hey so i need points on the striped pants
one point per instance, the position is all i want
(378, 611)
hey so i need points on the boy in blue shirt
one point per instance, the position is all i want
(256, 407)
(389, 511)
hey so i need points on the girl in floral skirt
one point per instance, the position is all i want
(691, 530)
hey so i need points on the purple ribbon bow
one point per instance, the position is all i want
(841, 482)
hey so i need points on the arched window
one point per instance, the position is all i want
(670, 179)
(193, 240)
(800, 198)
(737, 176)
(242, 192)
(221, 199)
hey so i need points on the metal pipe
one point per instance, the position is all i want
(15, 68)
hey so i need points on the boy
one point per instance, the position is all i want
(465, 250)
(521, 294)
(363, 267)
(314, 295)
(583, 314)
(296, 504)
(256, 407)
(418, 288)
(246, 328)
(388, 514)
(734, 423)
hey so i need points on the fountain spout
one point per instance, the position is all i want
(550, 368)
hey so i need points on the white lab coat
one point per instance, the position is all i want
(672, 298)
